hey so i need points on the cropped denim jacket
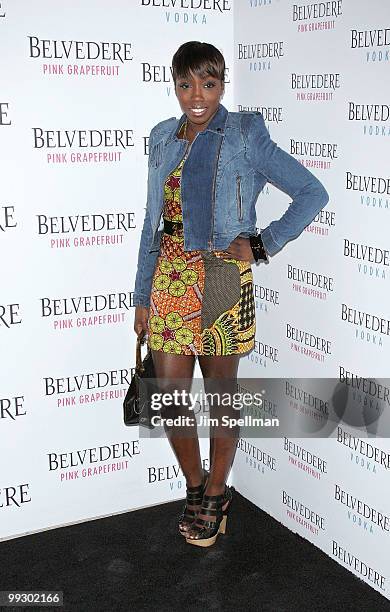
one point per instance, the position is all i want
(228, 165)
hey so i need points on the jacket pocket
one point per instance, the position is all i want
(239, 198)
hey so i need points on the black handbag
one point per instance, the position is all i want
(136, 407)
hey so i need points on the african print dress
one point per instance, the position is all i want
(201, 302)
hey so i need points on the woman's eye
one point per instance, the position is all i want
(208, 85)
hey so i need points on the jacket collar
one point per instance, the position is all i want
(217, 124)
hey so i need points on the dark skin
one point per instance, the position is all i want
(199, 97)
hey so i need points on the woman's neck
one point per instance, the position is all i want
(189, 130)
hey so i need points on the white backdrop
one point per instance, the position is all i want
(316, 79)
(70, 229)
(73, 157)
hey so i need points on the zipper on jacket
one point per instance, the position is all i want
(213, 195)
(184, 159)
(239, 198)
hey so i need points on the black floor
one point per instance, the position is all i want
(138, 562)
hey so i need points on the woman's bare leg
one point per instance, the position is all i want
(220, 375)
(176, 372)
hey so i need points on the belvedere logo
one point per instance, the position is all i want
(188, 11)
(370, 38)
(264, 296)
(204, 5)
(302, 514)
(318, 10)
(86, 311)
(271, 114)
(262, 353)
(368, 255)
(360, 513)
(256, 457)
(373, 184)
(367, 454)
(368, 327)
(367, 573)
(61, 139)
(314, 154)
(260, 56)
(315, 87)
(368, 112)
(375, 118)
(298, 455)
(317, 16)
(308, 344)
(373, 42)
(122, 221)
(87, 456)
(319, 281)
(79, 50)
(315, 81)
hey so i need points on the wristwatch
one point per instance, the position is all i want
(258, 250)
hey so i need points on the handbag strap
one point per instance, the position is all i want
(139, 366)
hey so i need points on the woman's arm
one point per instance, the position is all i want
(145, 266)
(146, 261)
(285, 172)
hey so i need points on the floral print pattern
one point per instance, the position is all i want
(177, 293)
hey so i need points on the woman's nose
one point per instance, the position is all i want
(197, 92)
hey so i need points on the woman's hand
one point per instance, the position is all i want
(141, 320)
(240, 249)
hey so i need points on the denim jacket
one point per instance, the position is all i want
(228, 165)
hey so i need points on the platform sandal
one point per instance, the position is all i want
(193, 498)
(204, 533)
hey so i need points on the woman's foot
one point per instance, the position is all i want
(212, 517)
(227, 493)
(193, 504)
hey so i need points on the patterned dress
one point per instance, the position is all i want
(201, 302)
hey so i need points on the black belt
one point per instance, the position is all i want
(173, 228)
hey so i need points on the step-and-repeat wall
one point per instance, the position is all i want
(82, 84)
(81, 87)
(319, 73)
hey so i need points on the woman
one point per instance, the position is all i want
(194, 286)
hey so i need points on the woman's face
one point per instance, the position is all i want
(199, 98)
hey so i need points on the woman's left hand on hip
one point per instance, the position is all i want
(240, 249)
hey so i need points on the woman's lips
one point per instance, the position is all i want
(198, 112)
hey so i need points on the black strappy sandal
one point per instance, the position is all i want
(193, 498)
(204, 533)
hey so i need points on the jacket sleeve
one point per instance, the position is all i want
(146, 260)
(287, 174)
